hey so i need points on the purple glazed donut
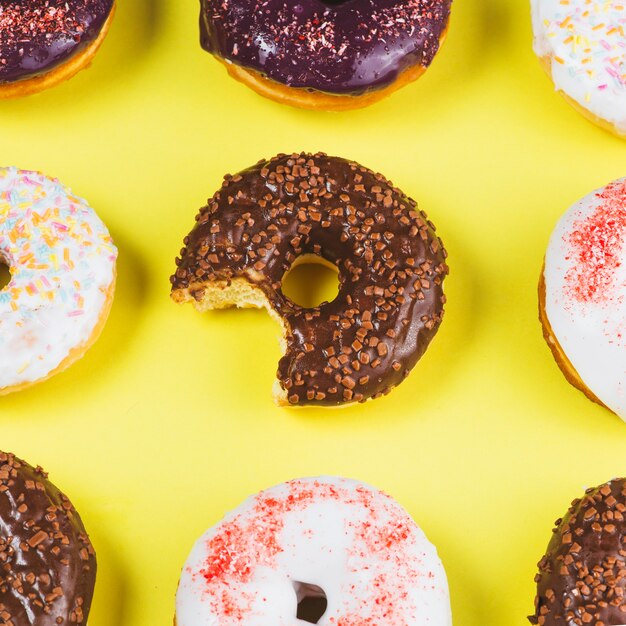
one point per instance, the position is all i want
(42, 42)
(324, 54)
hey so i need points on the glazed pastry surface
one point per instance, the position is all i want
(585, 45)
(38, 35)
(47, 563)
(582, 577)
(62, 262)
(391, 269)
(314, 536)
(336, 47)
(585, 279)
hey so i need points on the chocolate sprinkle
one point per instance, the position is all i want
(38, 35)
(348, 47)
(582, 577)
(47, 563)
(391, 268)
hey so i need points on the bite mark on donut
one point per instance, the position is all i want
(391, 268)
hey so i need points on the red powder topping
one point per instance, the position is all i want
(20, 21)
(597, 246)
(251, 539)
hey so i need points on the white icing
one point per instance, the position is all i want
(586, 301)
(62, 263)
(585, 43)
(357, 544)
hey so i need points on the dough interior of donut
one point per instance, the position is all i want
(244, 293)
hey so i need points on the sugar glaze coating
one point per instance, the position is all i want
(585, 280)
(584, 46)
(62, 262)
(355, 543)
(334, 47)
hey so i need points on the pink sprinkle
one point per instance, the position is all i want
(596, 246)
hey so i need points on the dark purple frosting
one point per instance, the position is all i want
(38, 35)
(348, 47)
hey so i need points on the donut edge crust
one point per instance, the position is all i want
(546, 64)
(77, 352)
(59, 74)
(559, 355)
(303, 98)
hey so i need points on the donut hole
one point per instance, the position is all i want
(312, 602)
(5, 274)
(311, 281)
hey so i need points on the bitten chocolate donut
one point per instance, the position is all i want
(327, 551)
(582, 295)
(44, 42)
(582, 577)
(47, 563)
(391, 268)
(324, 54)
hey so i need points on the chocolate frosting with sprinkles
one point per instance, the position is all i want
(391, 268)
(339, 47)
(582, 577)
(47, 563)
(38, 35)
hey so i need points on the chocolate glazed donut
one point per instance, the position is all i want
(582, 577)
(37, 37)
(391, 267)
(47, 563)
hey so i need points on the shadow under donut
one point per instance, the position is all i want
(110, 603)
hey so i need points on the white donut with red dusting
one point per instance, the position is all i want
(327, 550)
(585, 278)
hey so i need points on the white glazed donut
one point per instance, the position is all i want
(582, 44)
(585, 293)
(314, 537)
(62, 264)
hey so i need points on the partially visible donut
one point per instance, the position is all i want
(582, 47)
(326, 550)
(582, 577)
(582, 295)
(62, 263)
(324, 54)
(391, 269)
(47, 562)
(44, 42)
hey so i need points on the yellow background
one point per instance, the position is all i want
(168, 422)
